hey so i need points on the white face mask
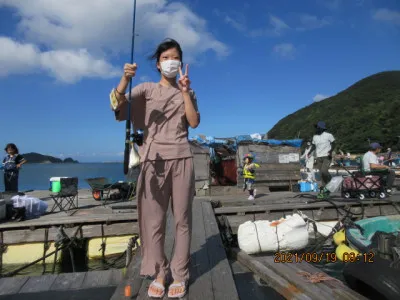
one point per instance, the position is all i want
(170, 68)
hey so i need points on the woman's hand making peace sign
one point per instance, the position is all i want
(184, 82)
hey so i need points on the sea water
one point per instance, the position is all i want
(37, 176)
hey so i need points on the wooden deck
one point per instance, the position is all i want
(268, 207)
(287, 280)
(92, 216)
(211, 274)
(94, 285)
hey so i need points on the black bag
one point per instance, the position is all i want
(15, 214)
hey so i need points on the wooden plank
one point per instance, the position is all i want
(200, 283)
(98, 278)
(260, 200)
(12, 285)
(116, 277)
(223, 283)
(334, 288)
(329, 214)
(89, 231)
(290, 206)
(290, 273)
(340, 290)
(132, 278)
(71, 220)
(283, 270)
(281, 285)
(68, 281)
(278, 166)
(38, 284)
(300, 267)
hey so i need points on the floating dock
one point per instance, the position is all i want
(274, 206)
(212, 275)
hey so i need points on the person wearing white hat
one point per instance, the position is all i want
(323, 143)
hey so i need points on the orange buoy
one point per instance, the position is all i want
(128, 291)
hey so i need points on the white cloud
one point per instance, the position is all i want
(17, 58)
(90, 32)
(387, 15)
(234, 19)
(278, 25)
(144, 78)
(235, 23)
(331, 4)
(340, 4)
(319, 97)
(65, 65)
(310, 22)
(285, 50)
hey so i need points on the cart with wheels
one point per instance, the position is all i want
(361, 187)
(101, 189)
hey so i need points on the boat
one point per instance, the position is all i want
(364, 236)
(371, 247)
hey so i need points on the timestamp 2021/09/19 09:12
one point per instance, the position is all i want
(314, 257)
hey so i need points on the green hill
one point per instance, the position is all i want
(369, 109)
(37, 158)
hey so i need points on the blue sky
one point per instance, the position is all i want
(251, 63)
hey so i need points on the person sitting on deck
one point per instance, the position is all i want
(323, 143)
(249, 175)
(371, 165)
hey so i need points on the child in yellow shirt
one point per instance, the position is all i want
(249, 175)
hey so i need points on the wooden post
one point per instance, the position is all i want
(2, 247)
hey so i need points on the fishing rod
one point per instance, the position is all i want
(137, 136)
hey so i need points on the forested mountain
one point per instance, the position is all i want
(367, 110)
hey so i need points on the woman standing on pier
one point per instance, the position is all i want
(164, 110)
(11, 165)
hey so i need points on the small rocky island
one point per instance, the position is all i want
(37, 158)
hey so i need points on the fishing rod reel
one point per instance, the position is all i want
(137, 137)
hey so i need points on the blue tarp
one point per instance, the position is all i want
(247, 138)
(212, 142)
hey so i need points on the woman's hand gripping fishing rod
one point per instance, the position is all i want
(129, 73)
(126, 79)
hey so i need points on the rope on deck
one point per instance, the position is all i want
(317, 277)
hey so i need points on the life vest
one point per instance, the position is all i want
(250, 173)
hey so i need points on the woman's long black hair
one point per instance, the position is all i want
(13, 147)
(164, 46)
